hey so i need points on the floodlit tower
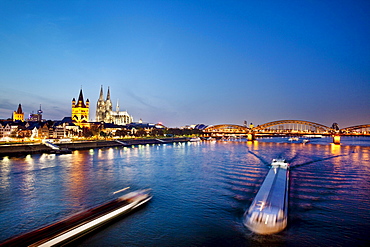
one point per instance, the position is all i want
(80, 110)
(19, 114)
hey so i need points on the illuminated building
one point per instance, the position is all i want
(105, 113)
(18, 115)
(5, 130)
(80, 111)
(36, 117)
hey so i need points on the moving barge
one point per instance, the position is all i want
(268, 212)
(69, 229)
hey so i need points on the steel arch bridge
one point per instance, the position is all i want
(227, 129)
(275, 127)
(292, 126)
(285, 127)
(365, 128)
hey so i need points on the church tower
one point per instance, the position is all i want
(80, 111)
(108, 108)
(108, 102)
(100, 107)
(19, 114)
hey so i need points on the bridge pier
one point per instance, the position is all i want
(251, 136)
(336, 139)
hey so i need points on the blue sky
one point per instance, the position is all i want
(188, 62)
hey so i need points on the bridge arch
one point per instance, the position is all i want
(293, 126)
(226, 128)
(365, 128)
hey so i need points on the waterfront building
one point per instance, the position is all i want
(40, 131)
(18, 115)
(145, 128)
(8, 130)
(66, 128)
(105, 113)
(5, 130)
(80, 111)
(23, 132)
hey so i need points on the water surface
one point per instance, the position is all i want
(201, 191)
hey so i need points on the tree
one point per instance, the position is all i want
(103, 134)
(140, 133)
(156, 132)
(86, 132)
(122, 132)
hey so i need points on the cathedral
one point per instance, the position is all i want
(105, 113)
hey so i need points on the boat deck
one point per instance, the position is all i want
(268, 212)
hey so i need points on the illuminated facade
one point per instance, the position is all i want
(80, 111)
(36, 117)
(18, 115)
(105, 113)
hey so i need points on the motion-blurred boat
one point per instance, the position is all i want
(268, 212)
(69, 229)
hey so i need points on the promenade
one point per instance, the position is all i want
(15, 149)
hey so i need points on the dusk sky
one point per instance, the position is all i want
(189, 62)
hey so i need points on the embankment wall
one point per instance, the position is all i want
(12, 149)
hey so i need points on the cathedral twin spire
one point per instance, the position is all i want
(107, 102)
(101, 97)
(105, 113)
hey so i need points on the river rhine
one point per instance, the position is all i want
(200, 192)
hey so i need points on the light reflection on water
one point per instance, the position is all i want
(201, 191)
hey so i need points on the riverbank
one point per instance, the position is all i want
(19, 149)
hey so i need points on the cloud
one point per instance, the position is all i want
(10, 98)
(6, 104)
(140, 99)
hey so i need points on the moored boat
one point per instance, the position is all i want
(195, 139)
(71, 228)
(293, 139)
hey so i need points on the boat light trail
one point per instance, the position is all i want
(118, 191)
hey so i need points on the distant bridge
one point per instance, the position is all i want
(293, 126)
(227, 128)
(358, 129)
(297, 127)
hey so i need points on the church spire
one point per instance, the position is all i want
(101, 96)
(80, 100)
(108, 94)
(19, 110)
(117, 107)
